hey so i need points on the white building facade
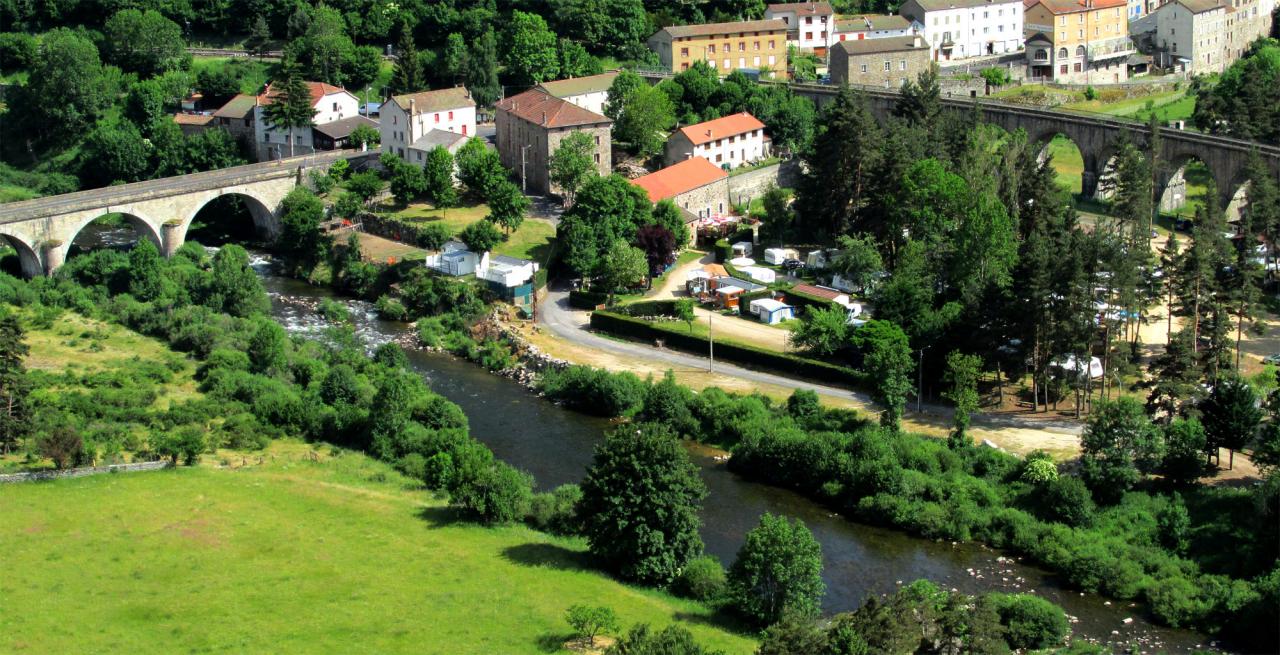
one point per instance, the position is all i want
(331, 104)
(1191, 36)
(727, 142)
(811, 26)
(961, 29)
(406, 118)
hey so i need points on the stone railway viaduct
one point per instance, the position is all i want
(1096, 135)
(41, 230)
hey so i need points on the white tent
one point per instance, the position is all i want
(759, 274)
(1069, 364)
(742, 261)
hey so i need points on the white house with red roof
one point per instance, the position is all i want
(727, 142)
(811, 26)
(694, 185)
(331, 103)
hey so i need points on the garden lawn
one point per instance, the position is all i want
(256, 72)
(533, 240)
(292, 556)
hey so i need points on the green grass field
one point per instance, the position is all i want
(292, 556)
(1068, 162)
(533, 240)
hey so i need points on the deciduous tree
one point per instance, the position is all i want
(640, 503)
(778, 571)
(572, 163)
(530, 54)
(438, 178)
(886, 359)
(15, 412)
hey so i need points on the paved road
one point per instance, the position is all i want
(556, 315)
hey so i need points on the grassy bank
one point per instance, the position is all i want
(292, 556)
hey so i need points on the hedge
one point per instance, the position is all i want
(743, 354)
(724, 251)
(805, 301)
(587, 299)
(649, 308)
(540, 279)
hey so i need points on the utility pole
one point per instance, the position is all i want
(524, 182)
(920, 382)
(711, 343)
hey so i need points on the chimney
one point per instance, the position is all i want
(544, 118)
(917, 42)
(708, 134)
(413, 107)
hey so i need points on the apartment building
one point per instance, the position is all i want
(406, 119)
(960, 29)
(530, 127)
(753, 45)
(1078, 41)
(886, 62)
(811, 26)
(1206, 36)
(727, 142)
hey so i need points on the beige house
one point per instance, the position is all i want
(886, 62)
(530, 127)
(1078, 41)
(725, 47)
(588, 92)
(407, 119)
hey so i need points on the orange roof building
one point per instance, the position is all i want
(695, 185)
(727, 142)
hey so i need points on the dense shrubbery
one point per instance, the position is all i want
(924, 487)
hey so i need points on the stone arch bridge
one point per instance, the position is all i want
(41, 230)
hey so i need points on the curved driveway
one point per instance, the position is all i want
(555, 314)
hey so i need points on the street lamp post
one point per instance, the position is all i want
(920, 382)
(524, 182)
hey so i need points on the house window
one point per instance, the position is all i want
(684, 52)
(808, 20)
(1041, 55)
(902, 65)
(771, 44)
(464, 129)
(886, 66)
(742, 62)
(727, 49)
(437, 118)
(597, 139)
(1062, 53)
(755, 61)
(808, 36)
(712, 62)
(727, 65)
(419, 153)
(335, 106)
(1077, 67)
(742, 46)
(864, 68)
(395, 120)
(755, 45)
(597, 159)
(719, 157)
(450, 115)
(1062, 70)
(711, 49)
(1079, 51)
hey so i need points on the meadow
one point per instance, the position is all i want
(312, 550)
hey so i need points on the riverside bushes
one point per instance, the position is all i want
(922, 486)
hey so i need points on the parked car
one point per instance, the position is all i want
(792, 264)
(1273, 359)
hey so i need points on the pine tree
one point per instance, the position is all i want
(1202, 268)
(846, 151)
(1170, 264)
(1176, 375)
(291, 107)
(407, 77)
(920, 101)
(482, 70)
(15, 415)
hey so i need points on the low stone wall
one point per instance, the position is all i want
(84, 471)
(753, 184)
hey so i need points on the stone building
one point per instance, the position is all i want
(752, 45)
(1207, 36)
(886, 62)
(695, 185)
(530, 127)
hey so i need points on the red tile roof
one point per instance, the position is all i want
(192, 119)
(318, 91)
(720, 128)
(541, 108)
(679, 178)
(826, 293)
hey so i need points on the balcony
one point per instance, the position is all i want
(1111, 49)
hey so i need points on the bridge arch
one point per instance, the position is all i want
(146, 227)
(262, 209)
(1186, 176)
(28, 258)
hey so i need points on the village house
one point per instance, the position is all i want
(530, 127)
(886, 62)
(727, 142)
(407, 121)
(811, 26)
(236, 117)
(192, 123)
(510, 278)
(1078, 41)
(694, 185)
(751, 45)
(873, 26)
(1207, 36)
(960, 29)
(588, 92)
(331, 103)
(337, 135)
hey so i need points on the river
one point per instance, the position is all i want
(555, 445)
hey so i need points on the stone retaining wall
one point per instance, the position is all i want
(83, 471)
(746, 186)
